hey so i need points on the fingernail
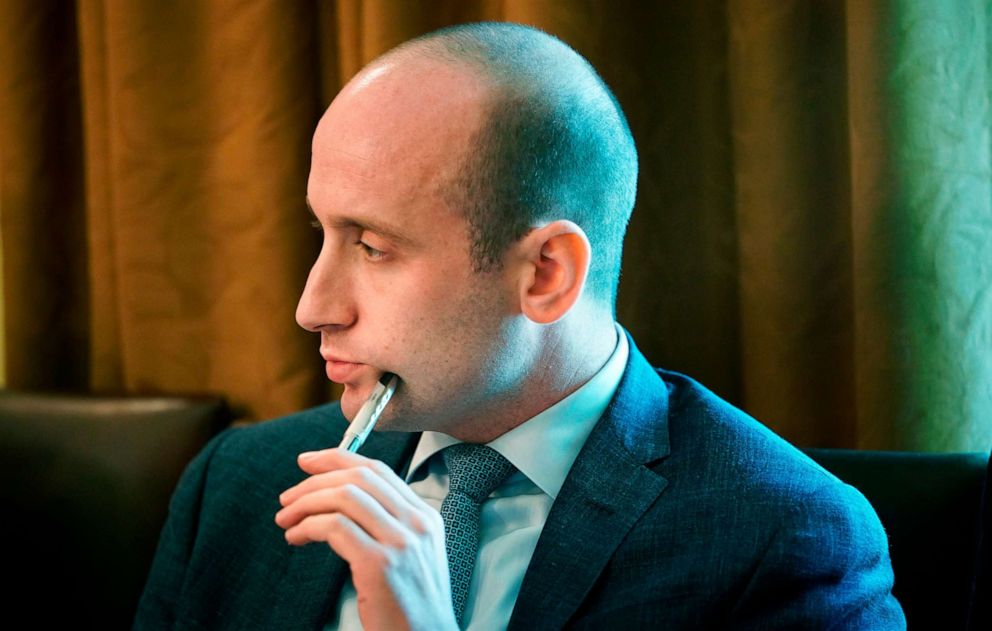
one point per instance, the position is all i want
(308, 455)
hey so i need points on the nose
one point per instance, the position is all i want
(327, 301)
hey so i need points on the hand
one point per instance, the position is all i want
(391, 539)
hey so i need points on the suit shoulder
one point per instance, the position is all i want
(732, 453)
(736, 536)
(265, 453)
(314, 428)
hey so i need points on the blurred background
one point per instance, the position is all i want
(812, 238)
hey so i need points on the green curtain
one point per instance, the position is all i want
(922, 222)
(811, 240)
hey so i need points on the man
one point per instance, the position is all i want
(473, 187)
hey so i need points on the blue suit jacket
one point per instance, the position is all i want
(680, 512)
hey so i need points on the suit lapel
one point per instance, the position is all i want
(606, 492)
(314, 575)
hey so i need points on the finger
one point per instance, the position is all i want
(325, 460)
(418, 516)
(304, 495)
(364, 477)
(312, 483)
(347, 539)
(397, 483)
(350, 500)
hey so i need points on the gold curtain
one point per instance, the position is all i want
(812, 236)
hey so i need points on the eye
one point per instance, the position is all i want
(370, 252)
(316, 225)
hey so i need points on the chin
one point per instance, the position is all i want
(351, 401)
(354, 397)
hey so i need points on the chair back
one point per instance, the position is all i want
(85, 483)
(981, 599)
(929, 504)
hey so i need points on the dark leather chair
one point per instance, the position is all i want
(84, 484)
(981, 599)
(930, 507)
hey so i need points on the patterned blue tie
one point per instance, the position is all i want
(474, 471)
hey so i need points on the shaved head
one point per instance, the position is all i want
(553, 144)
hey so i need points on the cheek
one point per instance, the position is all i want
(406, 318)
(433, 323)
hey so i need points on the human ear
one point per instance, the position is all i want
(557, 259)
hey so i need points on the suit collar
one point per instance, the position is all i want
(638, 414)
(606, 492)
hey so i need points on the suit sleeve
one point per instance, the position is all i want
(827, 567)
(158, 607)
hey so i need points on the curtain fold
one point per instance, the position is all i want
(42, 210)
(813, 235)
(922, 222)
(792, 201)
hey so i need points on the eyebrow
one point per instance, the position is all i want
(391, 234)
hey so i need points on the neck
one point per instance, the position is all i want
(566, 355)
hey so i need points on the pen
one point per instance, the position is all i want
(369, 413)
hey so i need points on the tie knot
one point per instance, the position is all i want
(475, 470)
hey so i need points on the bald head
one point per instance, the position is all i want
(407, 120)
(550, 141)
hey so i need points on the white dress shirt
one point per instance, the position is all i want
(543, 449)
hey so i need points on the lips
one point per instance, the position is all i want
(342, 371)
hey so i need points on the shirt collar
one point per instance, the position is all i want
(545, 446)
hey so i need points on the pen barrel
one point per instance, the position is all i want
(360, 428)
(350, 442)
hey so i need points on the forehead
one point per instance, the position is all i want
(392, 141)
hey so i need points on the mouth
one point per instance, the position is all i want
(341, 371)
